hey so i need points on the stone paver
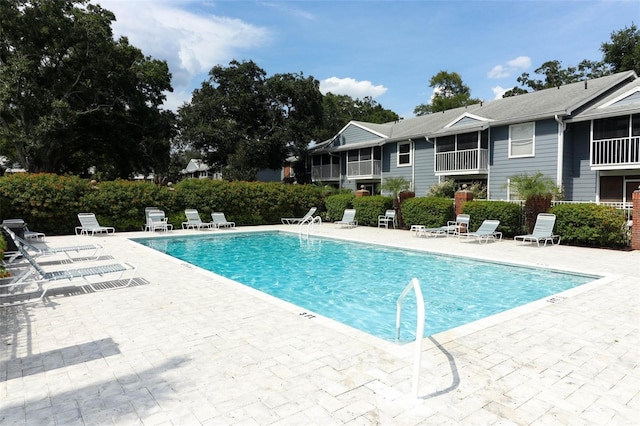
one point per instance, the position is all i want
(186, 347)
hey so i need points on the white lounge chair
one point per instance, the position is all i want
(48, 279)
(348, 219)
(388, 218)
(94, 249)
(486, 231)
(33, 235)
(221, 221)
(89, 225)
(542, 230)
(157, 221)
(453, 227)
(299, 220)
(194, 221)
(458, 226)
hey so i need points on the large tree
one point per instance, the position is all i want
(621, 54)
(243, 121)
(338, 110)
(449, 92)
(72, 98)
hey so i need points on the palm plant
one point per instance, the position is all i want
(395, 185)
(537, 191)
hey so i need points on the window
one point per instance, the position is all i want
(521, 140)
(616, 127)
(446, 144)
(404, 154)
(468, 141)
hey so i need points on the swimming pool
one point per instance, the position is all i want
(358, 284)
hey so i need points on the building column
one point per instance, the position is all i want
(461, 197)
(635, 228)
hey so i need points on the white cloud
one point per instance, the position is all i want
(498, 91)
(513, 66)
(521, 62)
(351, 87)
(191, 43)
(498, 72)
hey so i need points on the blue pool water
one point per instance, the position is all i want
(359, 284)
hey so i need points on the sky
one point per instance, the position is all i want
(388, 50)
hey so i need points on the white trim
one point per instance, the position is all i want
(533, 141)
(410, 154)
(468, 115)
(618, 98)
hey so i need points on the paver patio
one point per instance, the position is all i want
(186, 347)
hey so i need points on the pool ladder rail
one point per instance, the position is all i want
(415, 285)
(308, 224)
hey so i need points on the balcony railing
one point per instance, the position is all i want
(325, 172)
(467, 160)
(367, 168)
(618, 152)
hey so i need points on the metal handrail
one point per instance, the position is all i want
(310, 222)
(415, 285)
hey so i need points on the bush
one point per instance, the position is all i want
(590, 225)
(431, 212)
(336, 204)
(121, 203)
(445, 189)
(509, 215)
(46, 202)
(369, 208)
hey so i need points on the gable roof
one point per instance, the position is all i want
(624, 100)
(571, 102)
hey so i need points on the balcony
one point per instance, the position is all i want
(618, 153)
(325, 172)
(467, 161)
(364, 169)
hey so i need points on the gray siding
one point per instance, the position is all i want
(424, 164)
(502, 167)
(631, 99)
(579, 179)
(390, 163)
(355, 134)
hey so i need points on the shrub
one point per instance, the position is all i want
(121, 203)
(509, 215)
(336, 204)
(445, 189)
(428, 211)
(369, 208)
(46, 202)
(590, 225)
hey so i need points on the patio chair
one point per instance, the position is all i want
(45, 280)
(157, 221)
(33, 235)
(388, 218)
(95, 249)
(221, 221)
(542, 230)
(486, 231)
(348, 219)
(299, 220)
(194, 221)
(460, 225)
(89, 225)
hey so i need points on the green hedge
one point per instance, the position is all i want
(509, 214)
(50, 203)
(369, 208)
(590, 225)
(431, 212)
(336, 204)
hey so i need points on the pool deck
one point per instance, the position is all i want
(185, 347)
